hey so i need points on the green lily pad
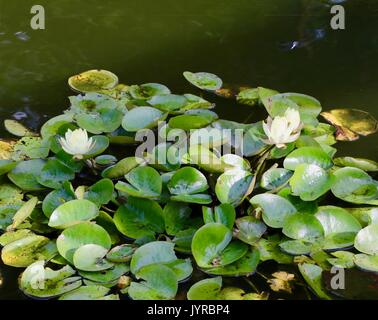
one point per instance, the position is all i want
(254, 140)
(100, 121)
(204, 80)
(232, 186)
(366, 240)
(73, 212)
(14, 235)
(6, 166)
(366, 262)
(342, 259)
(269, 250)
(355, 186)
(308, 155)
(92, 292)
(93, 81)
(296, 247)
(313, 276)
(108, 275)
(17, 129)
(160, 284)
(56, 198)
(30, 148)
(212, 246)
(206, 159)
(310, 182)
(250, 229)
(148, 90)
(26, 173)
(275, 209)
(121, 253)
(303, 226)
(168, 102)
(53, 125)
(207, 289)
(165, 157)
(176, 217)
(182, 268)
(189, 122)
(54, 173)
(139, 217)
(37, 281)
(145, 182)
(81, 234)
(363, 164)
(101, 192)
(245, 266)
(101, 143)
(24, 212)
(198, 198)
(224, 213)
(187, 181)
(26, 250)
(142, 118)
(90, 257)
(275, 178)
(156, 252)
(121, 168)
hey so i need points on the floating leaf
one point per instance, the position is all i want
(303, 226)
(168, 102)
(30, 148)
(313, 276)
(54, 173)
(204, 80)
(366, 262)
(366, 240)
(101, 192)
(363, 164)
(81, 234)
(310, 181)
(275, 178)
(176, 217)
(207, 289)
(73, 212)
(142, 118)
(275, 209)
(24, 212)
(90, 257)
(121, 168)
(26, 173)
(224, 213)
(148, 90)
(343, 259)
(139, 217)
(106, 276)
(351, 123)
(86, 293)
(187, 181)
(308, 155)
(93, 81)
(249, 229)
(17, 129)
(122, 253)
(56, 198)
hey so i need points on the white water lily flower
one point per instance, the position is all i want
(283, 130)
(77, 143)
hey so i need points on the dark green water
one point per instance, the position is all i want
(243, 41)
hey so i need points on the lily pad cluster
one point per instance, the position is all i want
(87, 218)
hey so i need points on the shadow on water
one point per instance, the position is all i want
(287, 45)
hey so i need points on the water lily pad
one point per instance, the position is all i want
(296, 247)
(24, 212)
(52, 126)
(37, 281)
(168, 102)
(176, 217)
(6, 166)
(121, 168)
(363, 164)
(182, 268)
(101, 192)
(101, 143)
(122, 253)
(275, 209)
(81, 234)
(303, 226)
(86, 293)
(17, 129)
(93, 81)
(73, 212)
(232, 186)
(26, 250)
(187, 181)
(145, 182)
(274, 178)
(206, 159)
(355, 186)
(106, 276)
(148, 90)
(351, 123)
(366, 262)
(56, 198)
(26, 173)
(224, 213)
(90, 257)
(245, 266)
(156, 252)
(212, 246)
(142, 118)
(103, 120)
(310, 181)
(54, 173)
(250, 229)
(313, 276)
(204, 80)
(160, 284)
(30, 148)
(342, 259)
(308, 155)
(367, 239)
(189, 122)
(207, 289)
(269, 250)
(198, 198)
(139, 217)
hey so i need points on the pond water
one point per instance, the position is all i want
(287, 45)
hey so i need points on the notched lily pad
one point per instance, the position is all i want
(204, 80)
(93, 81)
